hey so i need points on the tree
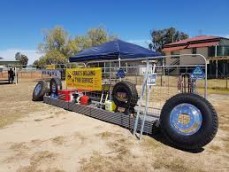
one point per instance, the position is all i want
(54, 47)
(58, 46)
(98, 36)
(165, 36)
(23, 59)
(54, 39)
(36, 64)
(77, 44)
(18, 56)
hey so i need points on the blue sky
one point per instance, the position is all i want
(22, 21)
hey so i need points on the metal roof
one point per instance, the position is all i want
(195, 42)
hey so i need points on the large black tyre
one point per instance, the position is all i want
(39, 91)
(55, 85)
(127, 88)
(188, 121)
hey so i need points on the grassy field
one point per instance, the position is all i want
(38, 137)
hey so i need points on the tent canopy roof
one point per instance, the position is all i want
(113, 50)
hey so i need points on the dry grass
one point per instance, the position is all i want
(33, 169)
(107, 135)
(154, 156)
(15, 102)
(123, 156)
(218, 91)
(173, 164)
(19, 146)
(39, 158)
(60, 140)
(120, 161)
(9, 119)
(150, 143)
(120, 151)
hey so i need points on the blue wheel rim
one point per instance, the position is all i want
(185, 119)
(37, 89)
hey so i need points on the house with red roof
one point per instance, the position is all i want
(214, 48)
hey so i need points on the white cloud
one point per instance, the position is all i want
(141, 42)
(9, 54)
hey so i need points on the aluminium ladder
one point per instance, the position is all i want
(146, 89)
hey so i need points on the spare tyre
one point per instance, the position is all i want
(39, 91)
(125, 94)
(55, 85)
(188, 121)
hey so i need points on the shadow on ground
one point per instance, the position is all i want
(157, 135)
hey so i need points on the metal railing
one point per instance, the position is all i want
(170, 81)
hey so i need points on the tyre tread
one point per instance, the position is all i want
(207, 137)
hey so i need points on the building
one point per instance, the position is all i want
(214, 48)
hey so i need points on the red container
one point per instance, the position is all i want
(84, 100)
(65, 95)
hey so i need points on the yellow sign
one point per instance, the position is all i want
(50, 67)
(88, 79)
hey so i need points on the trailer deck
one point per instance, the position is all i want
(117, 118)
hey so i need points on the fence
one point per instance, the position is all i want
(23, 74)
(168, 76)
(34, 74)
(168, 81)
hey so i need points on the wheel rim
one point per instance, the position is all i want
(185, 119)
(37, 89)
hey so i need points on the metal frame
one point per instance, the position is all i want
(119, 60)
(145, 89)
(141, 115)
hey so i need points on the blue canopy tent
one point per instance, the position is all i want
(112, 50)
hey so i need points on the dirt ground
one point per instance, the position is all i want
(38, 137)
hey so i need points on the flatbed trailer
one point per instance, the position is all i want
(185, 117)
(117, 118)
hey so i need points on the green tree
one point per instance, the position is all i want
(83, 42)
(58, 46)
(76, 45)
(54, 39)
(98, 36)
(165, 36)
(18, 56)
(36, 64)
(54, 47)
(23, 59)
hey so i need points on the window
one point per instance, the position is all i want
(194, 51)
(211, 51)
(222, 51)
